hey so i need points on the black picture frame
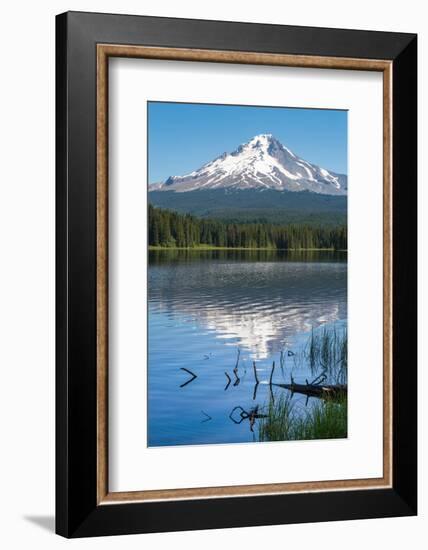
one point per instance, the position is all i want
(77, 511)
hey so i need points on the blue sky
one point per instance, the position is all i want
(184, 136)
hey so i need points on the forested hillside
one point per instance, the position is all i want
(256, 206)
(172, 229)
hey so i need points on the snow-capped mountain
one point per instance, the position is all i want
(261, 163)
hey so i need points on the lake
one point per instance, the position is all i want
(212, 309)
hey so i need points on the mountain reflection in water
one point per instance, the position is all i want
(204, 306)
(255, 304)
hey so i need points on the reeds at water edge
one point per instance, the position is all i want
(326, 419)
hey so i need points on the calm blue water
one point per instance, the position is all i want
(203, 307)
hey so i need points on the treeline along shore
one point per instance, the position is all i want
(171, 229)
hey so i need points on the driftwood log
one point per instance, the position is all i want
(333, 391)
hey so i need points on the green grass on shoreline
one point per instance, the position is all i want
(325, 420)
(211, 247)
(285, 420)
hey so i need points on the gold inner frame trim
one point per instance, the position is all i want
(104, 51)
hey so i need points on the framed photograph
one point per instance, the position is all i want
(236, 274)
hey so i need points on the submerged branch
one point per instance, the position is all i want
(271, 373)
(255, 372)
(208, 417)
(192, 374)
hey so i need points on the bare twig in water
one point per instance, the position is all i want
(208, 417)
(237, 378)
(251, 415)
(243, 414)
(255, 391)
(237, 359)
(255, 372)
(235, 370)
(271, 373)
(320, 379)
(192, 374)
(228, 381)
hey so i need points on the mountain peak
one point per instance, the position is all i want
(263, 162)
(262, 141)
(260, 138)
